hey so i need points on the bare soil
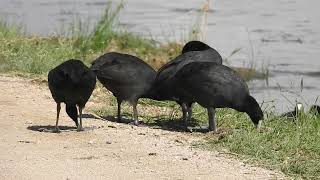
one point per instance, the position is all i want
(105, 150)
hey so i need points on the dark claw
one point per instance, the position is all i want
(79, 129)
(56, 130)
(189, 129)
(137, 123)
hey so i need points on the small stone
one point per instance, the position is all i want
(178, 141)
(26, 141)
(111, 126)
(152, 154)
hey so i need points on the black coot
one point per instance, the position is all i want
(213, 86)
(71, 82)
(127, 77)
(193, 51)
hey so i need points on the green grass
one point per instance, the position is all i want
(293, 148)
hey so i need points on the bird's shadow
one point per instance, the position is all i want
(89, 116)
(168, 124)
(177, 125)
(51, 128)
(174, 125)
(124, 120)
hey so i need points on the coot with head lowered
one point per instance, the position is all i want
(213, 86)
(193, 51)
(71, 82)
(127, 77)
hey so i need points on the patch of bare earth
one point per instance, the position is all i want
(105, 150)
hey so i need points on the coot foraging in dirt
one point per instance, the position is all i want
(213, 86)
(127, 77)
(71, 82)
(163, 87)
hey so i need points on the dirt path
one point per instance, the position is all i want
(107, 151)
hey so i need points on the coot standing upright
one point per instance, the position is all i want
(127, 77)
(213, 86)
(71, 82)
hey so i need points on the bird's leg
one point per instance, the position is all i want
(79, 128)
(185, 117)
(135, 113)
(58, 113)
(119, 109)
(189, 109)
(184, 111)
(212, 122)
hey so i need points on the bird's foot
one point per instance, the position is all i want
(56, 130)
(137, 123)
(202, 129)
(212, 129)
(188, 129)
(80, 129)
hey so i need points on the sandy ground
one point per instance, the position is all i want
(105, 150)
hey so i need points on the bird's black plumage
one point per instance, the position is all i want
(127, 77)
(197, 46)
(163, 87)
(213, 86)
(71, 83)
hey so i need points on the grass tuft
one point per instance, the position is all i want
(292, 147)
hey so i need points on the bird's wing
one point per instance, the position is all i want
(219, 80)
(170, 69)
(55, 78)
(119, 73)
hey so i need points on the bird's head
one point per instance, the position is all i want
(254, 111)
(72, 113)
